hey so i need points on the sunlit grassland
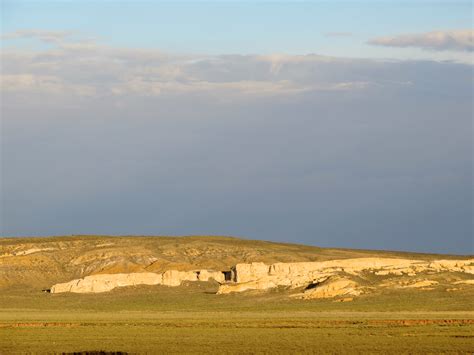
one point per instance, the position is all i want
(191, 318)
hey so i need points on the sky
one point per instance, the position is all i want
(330, 123)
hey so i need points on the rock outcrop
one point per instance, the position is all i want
(207, 275)
(327, 277)
(421, 284)
(259, 276)
(333, 287)
(174, 277)
(464, 282)
(38, 263)
(250, 272)
(245, 286)
(107, 282)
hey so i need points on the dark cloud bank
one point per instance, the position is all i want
(307, 149)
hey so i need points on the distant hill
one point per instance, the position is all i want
(41, 262)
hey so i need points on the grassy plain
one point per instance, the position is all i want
(192, 319)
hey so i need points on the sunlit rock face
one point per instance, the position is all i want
(174, 277)
(327, 277)
(249, 272)
(107, 282)
(259, 276)
(334, 287)
(207, 275)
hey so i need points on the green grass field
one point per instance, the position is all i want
(191, 319)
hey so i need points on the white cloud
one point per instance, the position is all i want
(454, 40)
(88, 69)
(277, 61)
(45, 36)
(142, 86)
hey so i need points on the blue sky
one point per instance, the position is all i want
(338, 124)
(232, 27)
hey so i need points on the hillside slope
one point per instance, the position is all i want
(41, 262)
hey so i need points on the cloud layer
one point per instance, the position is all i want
(455, 40)
(56, 37)
(310, 149)
(86, 68)
(76, 67)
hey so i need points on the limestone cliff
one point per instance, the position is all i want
(324, 276)
(259, 276)
(107, 282)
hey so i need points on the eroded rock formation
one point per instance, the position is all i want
(326, 279)
(333, 287)
(107, 282)
(259, 276)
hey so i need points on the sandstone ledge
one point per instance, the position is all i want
(107, 282)
(260, 276)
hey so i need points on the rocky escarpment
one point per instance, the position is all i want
(38, 263)
(41, 262)
(322, 279)
(107, 282)
(260, 276)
